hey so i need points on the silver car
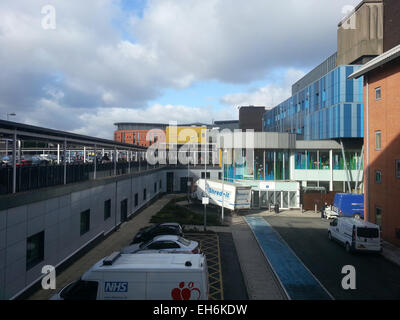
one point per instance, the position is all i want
(164, 244)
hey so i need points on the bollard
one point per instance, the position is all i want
(315, 208)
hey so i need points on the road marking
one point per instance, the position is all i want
(296, 279)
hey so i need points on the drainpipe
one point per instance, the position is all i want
(367, 216)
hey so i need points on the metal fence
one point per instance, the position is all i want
(34, 177)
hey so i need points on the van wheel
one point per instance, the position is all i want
(348, 247)
(329, 236)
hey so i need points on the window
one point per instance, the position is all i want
(378, 93)
(107, 209)
(160, 185)
(85, 222)
(324, 160)
(378, 176)
(398, 169)
(378, 216)
(203, 175)
(34, 250)
(155, 187)
(378, 140)
(136, 199)
(144, 194)
(80, 290)
(219, 175)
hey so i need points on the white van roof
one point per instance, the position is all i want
(360, 223)
(149, 262)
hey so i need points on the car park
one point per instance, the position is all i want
(142, 277)
(165, 244)
(149, 233)
(355, 234)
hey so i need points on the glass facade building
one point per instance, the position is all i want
(329, 108)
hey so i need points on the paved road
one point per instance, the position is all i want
(376, 277)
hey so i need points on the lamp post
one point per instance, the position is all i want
(8, 115)
(223, 181)
(188, 174)
(205, 177)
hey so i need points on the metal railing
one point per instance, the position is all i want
(32, 177)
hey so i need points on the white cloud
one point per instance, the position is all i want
(269, 96)
(66, 77)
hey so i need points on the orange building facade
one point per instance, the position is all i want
(382, 143)
(140, 134)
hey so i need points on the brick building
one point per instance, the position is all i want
(382, 142)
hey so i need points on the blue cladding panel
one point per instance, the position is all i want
(322, 115)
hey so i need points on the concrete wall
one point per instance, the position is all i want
(59, 217)
(361, 34)
(391, 27)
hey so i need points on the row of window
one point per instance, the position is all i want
(35, 243)
(378, 173)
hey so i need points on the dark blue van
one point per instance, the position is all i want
(349, 205)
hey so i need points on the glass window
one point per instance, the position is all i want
(155, 187)
(398, 169)
(378, 216)
(378, 93)
(107, 209)
(367, 232)
(136, 199)
(312, 160)
(378, 140)
(80, 290)
(85, 221)
(144, 194)
(378, 176)
(34, 250)
(184, 241)
(300, 160)
(203, 175)
(160, 185)
(324, 160)
(338, 163)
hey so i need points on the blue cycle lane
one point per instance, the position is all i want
(298, 282)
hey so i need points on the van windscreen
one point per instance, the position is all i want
(368, 232)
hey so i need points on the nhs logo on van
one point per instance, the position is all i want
(116, 287)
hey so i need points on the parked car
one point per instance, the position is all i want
(164, 244)
(349, 205)
(142, 277)
(330, 213)
(168, 228)
(355, 234)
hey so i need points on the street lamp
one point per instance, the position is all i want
(8, 115)
(223, 181)
(188, 174)
(205, 177)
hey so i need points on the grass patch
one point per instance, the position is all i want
(172, 212)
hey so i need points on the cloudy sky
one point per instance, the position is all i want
(111, 61)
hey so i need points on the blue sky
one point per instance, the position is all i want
(111, 61)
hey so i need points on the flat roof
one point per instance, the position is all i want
(30, 132)
(150, 262)
(384, 58)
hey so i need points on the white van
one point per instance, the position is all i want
(142, 277)
(355, 234)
